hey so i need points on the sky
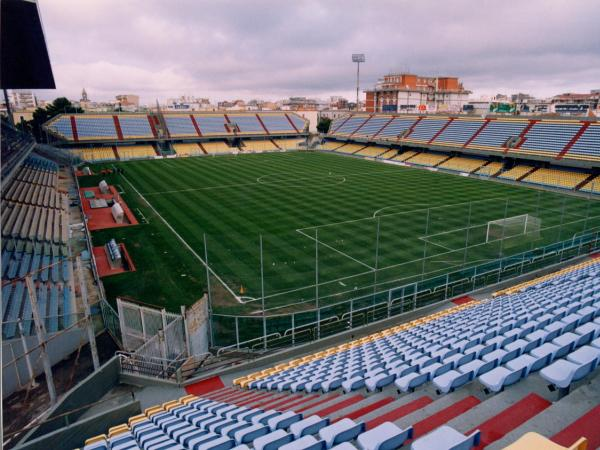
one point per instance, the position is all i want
(274, 49)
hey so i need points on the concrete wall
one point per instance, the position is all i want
(15, 374)
(196, 318)
(73, 436)
(88, 391)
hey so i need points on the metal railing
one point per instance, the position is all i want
(288, 330)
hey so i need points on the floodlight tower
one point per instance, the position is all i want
(358, 58)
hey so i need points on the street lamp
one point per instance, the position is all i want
(358, 58)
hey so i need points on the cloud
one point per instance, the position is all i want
(274, 49)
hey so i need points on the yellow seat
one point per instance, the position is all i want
(515, 173)
(427, 159)
(535, 441)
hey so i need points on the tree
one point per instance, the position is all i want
(60, 105)
(323, 125)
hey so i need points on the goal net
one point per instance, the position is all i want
(525, 224)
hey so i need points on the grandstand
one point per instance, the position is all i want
(34, 241)
(472, 375)
(462, 164)
(128, 136)
(535, 143)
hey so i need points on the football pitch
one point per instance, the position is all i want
(288, 228)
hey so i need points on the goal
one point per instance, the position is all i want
(525, 224)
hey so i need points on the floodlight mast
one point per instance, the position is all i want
(358, 58)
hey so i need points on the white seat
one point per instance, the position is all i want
(283, 420)
(386, 436)
(445, 438)
(309, 425)
(496, 379)
(304, 443)
(341, 431)
(272, 441)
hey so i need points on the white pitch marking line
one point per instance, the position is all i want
(336, 250)
(183, 241)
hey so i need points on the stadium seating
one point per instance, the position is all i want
(95, 127)
(216, 147)
(181, 125)
(425, 130)
(428, 159)
(277, 123)
(518, 333)
(331, 145)
(259, 146)
(551, 139)
(490, 169)
(188, 149)
(288, 144)
(202, 423)
(404, 156)
(372, 151)
(35, 231)
(372, 126)
(586, 146)
(591, 186)
(458, 132)
(120, 127)
(135, 126)
(496, 133)
(462, 164)
(516, 172)
(94, 154)
(350, 148)
(556, 177)
(389, 154)
(248, 124)
(347, 126)
(397, 127)
(536, 441)
(547, 138)
(136, 151)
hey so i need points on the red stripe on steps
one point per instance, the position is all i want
(219, 392)
(239, 398)
(271, 404)
(263, 402)
(312, 405)
(399, 412)
(462, 300)
(289, 406)
(252, 400)
(586, 426)
(369, 408)
(205, 386)
(445, 415)
(510, 418)
(226, 393)
(341, 405)
(232, 396)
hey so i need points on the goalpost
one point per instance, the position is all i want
(524, 224)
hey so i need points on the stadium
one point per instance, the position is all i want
(237, 280)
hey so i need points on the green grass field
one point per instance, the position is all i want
(370, 225)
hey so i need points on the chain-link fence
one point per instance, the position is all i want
(386, 298)
(138, 324)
